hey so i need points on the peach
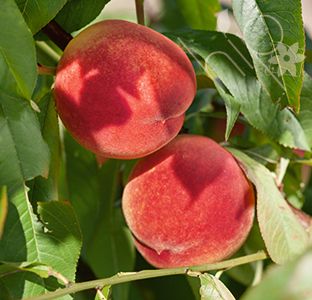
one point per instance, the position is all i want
(188, 203)
(122, 89)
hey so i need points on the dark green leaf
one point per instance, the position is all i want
(282, 233)
(38, 13)
(23, 152)
(93, 191)
(79, 13)
(18, 71)
(111, 240)
(199, 14)
(274, 36)
(47, 189)
(81, 185)
(229, 64)
(291, 281)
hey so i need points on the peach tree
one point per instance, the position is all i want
(161, 159)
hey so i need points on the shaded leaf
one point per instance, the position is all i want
(213, 289)
(3, 208)
(46, 189)
(274, 36)
(79, 13)
(199, 14)
(23, 152)
(291, 281)
(18, 69)
(93, 191)
(229, 64)
(38, 13)
(282, 233)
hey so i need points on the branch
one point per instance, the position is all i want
(132, 276)
(139, 7)
(57, 34)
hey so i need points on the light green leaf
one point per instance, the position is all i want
(274, 36)
(54, 242)
(282, 233)
(104, 293)
(23, 152)
(38, 13)
(291, 281)
(305, 116)
(18, 68)
(79, 13)
(213, 289)
(199, 14)
(3, 208)
(229, 64)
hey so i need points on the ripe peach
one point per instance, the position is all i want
(122, 89)
(188, 203)
(218, 129)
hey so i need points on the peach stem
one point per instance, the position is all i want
(139, 7)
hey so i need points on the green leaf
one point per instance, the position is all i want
(104, 293)
(39, 269)
(55, 242)
(46, 189)
(229, 64)
(111, 239)
(213, 289)
(79, 13)
(18, 71)
(83, 186)
(305, 116)
(291, 281)
(61, 243)
(38, 13)
(93, 191)
(3, 208)
(199, 14)
(282, 233)
(23, 152)
(274, 36)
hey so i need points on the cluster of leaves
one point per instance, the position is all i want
(43, 236)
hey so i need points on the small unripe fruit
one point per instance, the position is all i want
(188, 203)
(122, 89)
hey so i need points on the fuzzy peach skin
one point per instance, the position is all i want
(188, 204)
(122, 89)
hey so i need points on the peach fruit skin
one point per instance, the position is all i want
(122, 89)
(188, 204)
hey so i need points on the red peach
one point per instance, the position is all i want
(219, 127)
(188, 203)
(122, 89)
